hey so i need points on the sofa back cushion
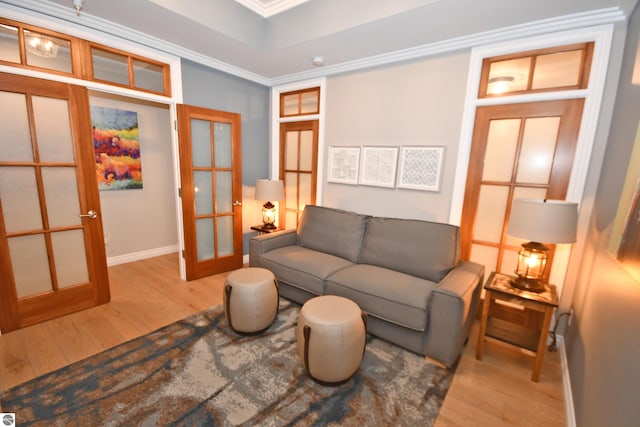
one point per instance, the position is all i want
(420, 248)
(332, 231)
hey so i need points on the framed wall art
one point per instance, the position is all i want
(378, 166)
(344, 163)
(420, 167)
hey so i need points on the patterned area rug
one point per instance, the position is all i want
(197, 372)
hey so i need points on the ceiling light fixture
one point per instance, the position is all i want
(77, 4)
(318, 61)
(40, 45)
(500, 84)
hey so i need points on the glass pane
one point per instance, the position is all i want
(61, 194)
(492, 205)
(291, 190)
(502, 142)
(557, 69)
(290, 104)
(485, 255)
(204, 237)
(222, 144)
(48, 52)
(20, 202)
(291, 151)
(291, 219)
(15, 144)
(538, 149)
(306, 150)
(203, 192)
(70, 258)
(148, 76)
(309, 102)
(30, 265)
(508, 76)
(109, 66)
(509, 262)
(225, 236)
(53, 129)
(201, 143)
(524, 193)
(224, 192)
(9, 47)
(305, 191)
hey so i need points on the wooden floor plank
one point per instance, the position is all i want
(149, 294)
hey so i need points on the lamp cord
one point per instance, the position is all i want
(553, 334)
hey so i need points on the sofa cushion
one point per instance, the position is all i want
(301, 267)
(425, 249)
(332, 231)
(389, 295)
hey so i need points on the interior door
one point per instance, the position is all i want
(298, 169)
(52, 255)
(518, 151)
(211, 176)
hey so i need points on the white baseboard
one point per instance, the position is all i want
(137, 256)
(566, 384)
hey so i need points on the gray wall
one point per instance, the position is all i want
(413, 104)
(603, 341)
(144, 219)
(209, 88)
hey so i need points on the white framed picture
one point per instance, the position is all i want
(343, 166)
(378, 166)
(420, 167)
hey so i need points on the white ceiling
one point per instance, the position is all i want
(272, 39)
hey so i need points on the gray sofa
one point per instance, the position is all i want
(406, 274)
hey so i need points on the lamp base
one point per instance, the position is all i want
(530, 285)
(268, 226)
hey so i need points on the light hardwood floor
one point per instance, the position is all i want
(149, 294)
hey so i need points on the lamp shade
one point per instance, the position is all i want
(268, 190)
(544, 221)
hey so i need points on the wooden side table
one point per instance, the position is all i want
(261, 230)
(532, 340)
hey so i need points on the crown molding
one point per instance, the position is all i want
(45, 13)
(267, 8)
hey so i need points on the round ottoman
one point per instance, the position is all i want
(250, 300)
(331, 338)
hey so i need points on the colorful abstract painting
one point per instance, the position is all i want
(116, 142)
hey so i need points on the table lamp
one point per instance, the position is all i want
(267, 190)
(548, 221)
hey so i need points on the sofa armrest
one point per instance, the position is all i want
(260, 245)
(452, 310)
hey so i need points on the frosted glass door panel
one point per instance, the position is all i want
(225, 236)
(15, 144)
(485, 255)
(9, 44)
(222, 144)
(53, 129)
(205, 239)
(70, 259)
(30, 265)
(20, 202)
(202, 191)
(304, 192)
(309, 102)
(291, 190)
(306, 150)
(148, 76)
(492, 206)
(509, 262)
(538, 150)
(61, 192)
(46, 51)
(224, 193)
(291, 155)
(110, 66)
(201, 143)
(502, 143)
(557, 69)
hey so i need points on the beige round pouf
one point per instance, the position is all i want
(250, 300)
(331, 338)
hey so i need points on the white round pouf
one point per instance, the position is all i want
(250, 300)
(331, 338)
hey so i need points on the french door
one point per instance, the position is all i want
(518, 151)
(52, 256)
(211, 176)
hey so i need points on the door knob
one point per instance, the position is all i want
(237, 203)
(91, 214)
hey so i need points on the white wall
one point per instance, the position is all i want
(417, 103)
(145, 219)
